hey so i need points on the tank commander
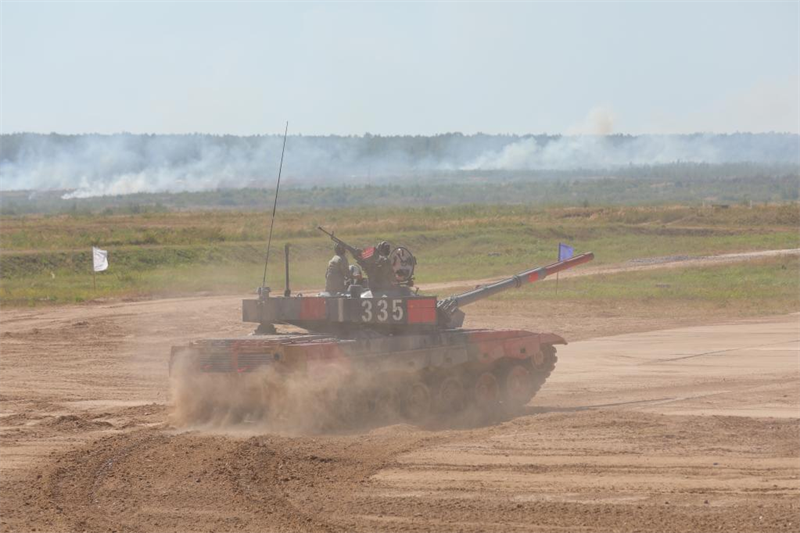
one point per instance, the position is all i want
(338, 271)
(379, 268)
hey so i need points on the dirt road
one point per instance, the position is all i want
(689, 429)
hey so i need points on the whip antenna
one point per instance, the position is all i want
(275, 206)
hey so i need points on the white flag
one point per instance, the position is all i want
(100, 259)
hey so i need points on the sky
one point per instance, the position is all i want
(389, 68)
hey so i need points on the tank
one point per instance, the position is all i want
(380, 352)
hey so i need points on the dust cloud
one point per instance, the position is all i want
(270, 400)
(339, 400)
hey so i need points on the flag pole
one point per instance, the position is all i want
(274, 207)
(94, 278)
(559, 259)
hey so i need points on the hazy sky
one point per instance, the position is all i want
(350, 68)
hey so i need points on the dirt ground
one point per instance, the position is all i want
(640, 428)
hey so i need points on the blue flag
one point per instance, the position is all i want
(565, 251)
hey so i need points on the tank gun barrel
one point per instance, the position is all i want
(452, 304)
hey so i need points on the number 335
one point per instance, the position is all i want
(381, 311)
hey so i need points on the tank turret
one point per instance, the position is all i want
(390, 311)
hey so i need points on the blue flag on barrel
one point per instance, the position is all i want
(565, 251)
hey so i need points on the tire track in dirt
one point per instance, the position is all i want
(155, 479)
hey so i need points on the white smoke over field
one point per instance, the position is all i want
(591, 145)
(603, 152)
(98, 165)
(599, 121)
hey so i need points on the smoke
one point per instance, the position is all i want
(608, 152)
(99, 165)
(95, 165)
(599, 121)
(590, 145)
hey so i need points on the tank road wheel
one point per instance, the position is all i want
(450, 396)
(543, 365)
(416, 401)
(517, 386)
(486, 392)
(544, 362)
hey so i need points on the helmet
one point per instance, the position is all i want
(384, 249)
(339, 249)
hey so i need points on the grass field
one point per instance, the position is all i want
(46, 259)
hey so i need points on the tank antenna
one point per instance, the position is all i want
(275, 205)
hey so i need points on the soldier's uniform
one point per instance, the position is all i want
(336, 275)
(379, 269)
(382, 275)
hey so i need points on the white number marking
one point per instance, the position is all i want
(383, 308)
(367, 314)
(382, 314)
(397, 310)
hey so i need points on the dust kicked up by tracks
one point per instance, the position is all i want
(277, 403)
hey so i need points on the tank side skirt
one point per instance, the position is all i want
(316, 354)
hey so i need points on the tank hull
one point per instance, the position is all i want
(414, 375)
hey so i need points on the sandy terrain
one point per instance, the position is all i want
(687, 429)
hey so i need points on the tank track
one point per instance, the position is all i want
(236, 380)
(478, 393)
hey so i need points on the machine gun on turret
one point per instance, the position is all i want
(356, 252)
